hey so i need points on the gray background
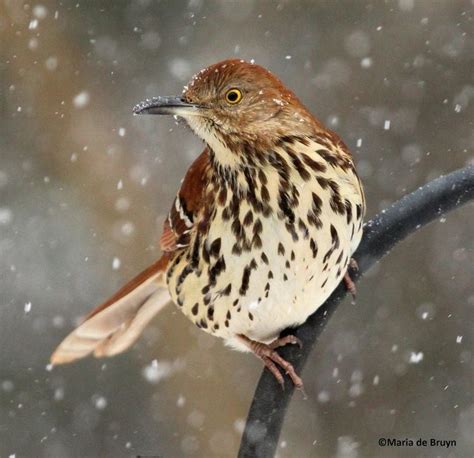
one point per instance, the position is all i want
(83, 182)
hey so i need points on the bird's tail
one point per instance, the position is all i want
(117, 323)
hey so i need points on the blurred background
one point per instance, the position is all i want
(85, 187)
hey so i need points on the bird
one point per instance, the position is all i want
(261, 231)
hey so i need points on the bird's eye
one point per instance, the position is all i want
(233, 96)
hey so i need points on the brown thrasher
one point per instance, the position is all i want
(261, 231)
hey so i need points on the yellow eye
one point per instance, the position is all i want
(233, 96)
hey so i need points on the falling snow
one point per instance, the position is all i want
(51, 63)
(116, 263)
(40, 11)
(416, 357)
(85, 188)
(6, 216)
(81, 100)
(157, 371)
(33, 24)
(323, 396)
(100, 402)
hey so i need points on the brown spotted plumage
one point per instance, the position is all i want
(261, 231)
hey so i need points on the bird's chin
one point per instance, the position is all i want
(203, 127)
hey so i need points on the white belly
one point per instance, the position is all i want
(296, 291)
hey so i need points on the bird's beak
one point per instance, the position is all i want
(166, 106)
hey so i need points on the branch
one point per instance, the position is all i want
(381, 234)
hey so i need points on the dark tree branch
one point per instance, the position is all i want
(391, 226)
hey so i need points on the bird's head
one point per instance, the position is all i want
(235, 103)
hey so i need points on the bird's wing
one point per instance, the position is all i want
(115, 325)
(187, 206)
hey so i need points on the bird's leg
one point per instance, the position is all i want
(271, 359)
(282, 341)
(350, 285)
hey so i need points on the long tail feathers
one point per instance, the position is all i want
(116, 324)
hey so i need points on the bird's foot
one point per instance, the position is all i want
(272, 360)
(350, 285)
(282, 341)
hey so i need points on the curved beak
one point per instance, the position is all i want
(166, 106)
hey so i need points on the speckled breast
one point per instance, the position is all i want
(275, 248)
